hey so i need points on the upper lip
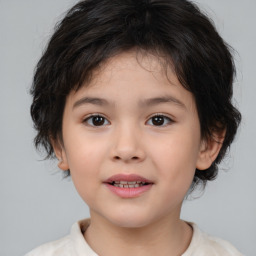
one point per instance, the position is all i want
(127, 177)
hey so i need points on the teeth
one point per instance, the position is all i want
(131, 182)
(128, 184)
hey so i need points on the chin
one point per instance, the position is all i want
(131, 220)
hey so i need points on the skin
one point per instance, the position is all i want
(128, 141)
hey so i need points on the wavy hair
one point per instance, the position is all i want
(95, 30)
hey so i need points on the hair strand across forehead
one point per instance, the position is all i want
(95, 30)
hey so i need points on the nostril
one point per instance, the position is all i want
(120, 158)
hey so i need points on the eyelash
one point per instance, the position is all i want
(87, 119)
(166, 118)
(90, 118)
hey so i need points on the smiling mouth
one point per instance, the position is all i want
(128, 184)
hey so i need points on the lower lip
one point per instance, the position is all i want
(129, 192)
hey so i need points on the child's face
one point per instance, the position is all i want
(144, 126)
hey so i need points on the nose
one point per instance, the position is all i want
(128, 145)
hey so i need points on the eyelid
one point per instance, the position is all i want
(162, 115)
(87, 117)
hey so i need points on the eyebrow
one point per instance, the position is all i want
(159, 100)
(91, 100)
(144, 103)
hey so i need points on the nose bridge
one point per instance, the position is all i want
(127, 144)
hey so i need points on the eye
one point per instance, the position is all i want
(96, 120)
(159, 120)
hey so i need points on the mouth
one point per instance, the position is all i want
(128, 186)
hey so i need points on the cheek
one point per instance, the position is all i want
(84, 162)
(85, 156)
(176, 157)
(84, 169)
(84, 150)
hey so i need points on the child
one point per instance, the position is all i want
(134, 99)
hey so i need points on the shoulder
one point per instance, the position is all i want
(61, 247)
(73, 244)
(204, 244)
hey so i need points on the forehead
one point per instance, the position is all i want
(135, 61)
(134, 76)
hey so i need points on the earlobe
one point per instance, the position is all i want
(209, 151)
(60, 154)
(63, 165)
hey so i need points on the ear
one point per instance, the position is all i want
(209, 150)
(60, 153)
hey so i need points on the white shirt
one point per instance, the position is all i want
(75, 245)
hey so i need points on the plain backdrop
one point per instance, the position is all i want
(38, 205)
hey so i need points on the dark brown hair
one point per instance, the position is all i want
(95, 30)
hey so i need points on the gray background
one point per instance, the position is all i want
(37, 205)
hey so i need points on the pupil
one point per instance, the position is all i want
(98, 120)
(158, 120)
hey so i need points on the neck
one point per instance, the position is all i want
(170, 236)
